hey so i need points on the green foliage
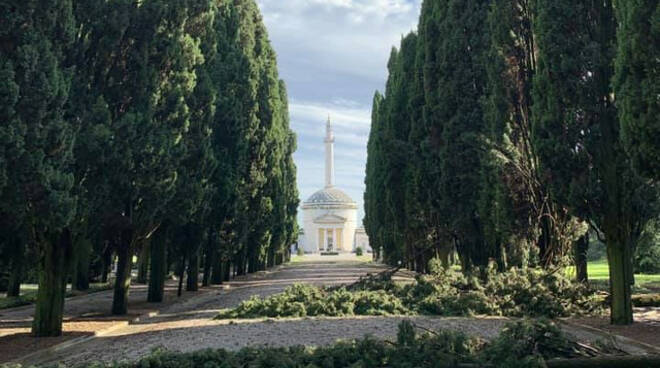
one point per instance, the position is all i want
(637, 82)
(528, 343)
(518, 292)
(515, 293)
(359, 251)
(303, 300)
(574, 107)
(131, 122)
(36, 144)
(647, 254)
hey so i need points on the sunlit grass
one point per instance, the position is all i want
(598, 272)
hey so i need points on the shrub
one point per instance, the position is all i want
(358, 251)
(300, 252)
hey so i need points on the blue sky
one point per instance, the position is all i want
(333, 55)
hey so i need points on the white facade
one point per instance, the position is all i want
(329, 215)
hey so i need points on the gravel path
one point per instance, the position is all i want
(191, 320)
(205, 334)
(188, 325)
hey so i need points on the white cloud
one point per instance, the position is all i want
(348, 36)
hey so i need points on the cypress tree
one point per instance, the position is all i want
(37, 142)
(574, 108)
(374, 183)
(637, 82)
(143, 61)
(456, 86)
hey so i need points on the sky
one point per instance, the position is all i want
(333, 56)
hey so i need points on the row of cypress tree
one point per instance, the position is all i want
(510, 128)
(156, 128)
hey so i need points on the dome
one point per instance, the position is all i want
(330, 196)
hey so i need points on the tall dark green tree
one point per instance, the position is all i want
(37, 142)
(143, 61)
(637, 82)
(521, 218)
(456, 86)
(577, 134)
(373, 180)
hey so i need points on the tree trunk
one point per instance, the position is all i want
(123, 277)
(240, 263)
(81, 270)
(192, 281)
(620, 262)
(270, 261)
(158, 263)
(53, 264)
(208, 259)
(16, 272)
(253, 262)
(143, 262)
(182, 271)
(226, 267)
(581, 248)
(107, 263)
(216, 270)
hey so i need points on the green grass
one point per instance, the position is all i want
(29, 294)
(599, 276)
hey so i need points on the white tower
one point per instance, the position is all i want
(329, 155)
(329, 215)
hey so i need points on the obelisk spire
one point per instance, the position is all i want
(329, 155)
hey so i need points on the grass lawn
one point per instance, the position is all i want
(29, 294)
(599, 276)
(600, 271)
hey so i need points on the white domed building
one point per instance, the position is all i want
(329, 215)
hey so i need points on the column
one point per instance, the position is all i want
(335, 239)
(325, 240)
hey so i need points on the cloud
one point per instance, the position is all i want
(336, 42)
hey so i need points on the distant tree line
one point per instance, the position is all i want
(508, 129)
(156, 128)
